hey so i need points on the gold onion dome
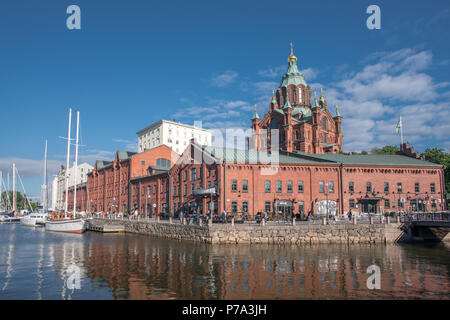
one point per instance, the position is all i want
(292, 57)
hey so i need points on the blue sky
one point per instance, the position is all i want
(135, 62)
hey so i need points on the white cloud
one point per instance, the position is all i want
(275, 72)
(389, 85)
(310, 74)
(278, 72)
(28, 167)
(121, 141)
(224, 79)
(128, 144)
(265, 87)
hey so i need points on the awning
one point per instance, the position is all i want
(374, 199)
(283, 203)
(201, 192)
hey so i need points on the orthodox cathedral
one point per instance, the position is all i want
(302, 124)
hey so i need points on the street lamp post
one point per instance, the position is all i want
(326, 195)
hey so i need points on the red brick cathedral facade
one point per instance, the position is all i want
(302, 125)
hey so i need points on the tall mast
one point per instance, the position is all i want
(14, 189)
(76, 168)
(67, 165)
(1, 196)
(44, 186)
(7, 192)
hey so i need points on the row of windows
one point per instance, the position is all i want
(351, 187)
(323, 187)
(177, 189)
(400, 203)
(267, 206)
(194, 174)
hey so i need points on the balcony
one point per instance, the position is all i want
(201, 192)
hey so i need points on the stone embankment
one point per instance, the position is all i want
(269, 234)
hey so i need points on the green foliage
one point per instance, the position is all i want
(439, 156)
(364, 152)
(385, 150)
(22, 203)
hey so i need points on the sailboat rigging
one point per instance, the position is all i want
(68, 222)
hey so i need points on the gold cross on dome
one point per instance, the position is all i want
(292, 48)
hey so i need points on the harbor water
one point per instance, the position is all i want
(38, 264)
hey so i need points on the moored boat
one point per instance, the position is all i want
(68, 222)
(64, 223)
(9, 218)
(34, 219)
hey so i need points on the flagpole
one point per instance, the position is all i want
(401, 132)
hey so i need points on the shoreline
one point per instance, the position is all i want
(269, 234)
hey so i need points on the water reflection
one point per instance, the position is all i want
(34, 264)
(137, 267)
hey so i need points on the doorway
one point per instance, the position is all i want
(369, 205)
(283, 209)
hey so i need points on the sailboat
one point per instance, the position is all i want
(4, 202)
(68, 222)
(38, 218)
(12, 216)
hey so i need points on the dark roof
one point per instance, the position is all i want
(124, 155)
(298, 157)
(372, 159)
(251, 156)
(100, 164)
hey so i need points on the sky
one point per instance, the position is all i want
(135, 62)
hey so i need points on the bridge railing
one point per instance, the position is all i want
(425, 216)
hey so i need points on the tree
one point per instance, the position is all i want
(439, 156)
(22, 203)
(385, 150)
(364, 152)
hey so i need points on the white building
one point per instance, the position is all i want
(54, 192)
(175, 135)
(83, 170)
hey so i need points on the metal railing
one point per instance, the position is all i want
(426, 216)
(283, 220)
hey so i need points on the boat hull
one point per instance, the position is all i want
(31, 222)
(8, 219)
(70, 225)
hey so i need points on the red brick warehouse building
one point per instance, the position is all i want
(241, 181)
(109, 184)
(309, 174)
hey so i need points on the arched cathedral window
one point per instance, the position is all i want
(324, 123)
(292, 95)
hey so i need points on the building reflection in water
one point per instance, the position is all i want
(64, 255)
(139, 267)
(34, 264)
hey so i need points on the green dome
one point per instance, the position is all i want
(293, 76)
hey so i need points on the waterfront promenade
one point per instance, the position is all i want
(377, 229)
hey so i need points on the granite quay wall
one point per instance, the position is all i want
(162, 229)
(269, 234)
